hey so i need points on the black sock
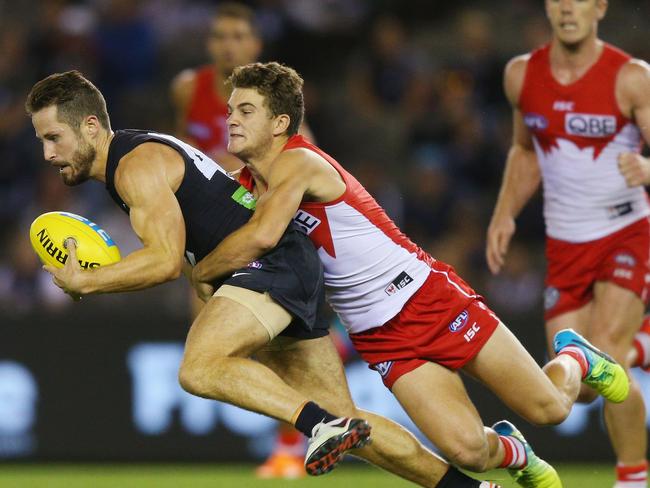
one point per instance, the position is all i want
(310, 415)
(455, 479)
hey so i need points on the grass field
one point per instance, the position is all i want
(202, 476)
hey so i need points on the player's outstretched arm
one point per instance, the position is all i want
(521, 177)
(633, 92)
(287, 183)
(142, 182)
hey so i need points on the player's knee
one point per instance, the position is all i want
(554, 414)
(193, 379)
(189, 379)
(470, 452)
(548, 411)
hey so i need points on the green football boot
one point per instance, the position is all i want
(604, 375)
(537, 473)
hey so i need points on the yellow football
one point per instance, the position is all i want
(94, 246)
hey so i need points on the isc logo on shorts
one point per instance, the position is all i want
(383, 368)
(626, 274)
(459, 322)
(590, 125)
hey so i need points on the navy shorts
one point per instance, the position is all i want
(292, 274)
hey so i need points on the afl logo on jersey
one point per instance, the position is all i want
(535, 121)
(589, 125)
(459, 322)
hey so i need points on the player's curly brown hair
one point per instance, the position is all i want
(280, 85)
(74, 96)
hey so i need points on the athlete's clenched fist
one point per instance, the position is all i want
(634, 168)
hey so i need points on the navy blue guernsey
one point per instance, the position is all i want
(213, 203)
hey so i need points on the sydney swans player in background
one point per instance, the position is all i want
(177, 199)
(408, 315)
(581, 110)
(200, 95)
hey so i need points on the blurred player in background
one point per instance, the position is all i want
(200, 98)
(410, 317)
(581, 111)
(199, 95)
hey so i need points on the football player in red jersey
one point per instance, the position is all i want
(581, 110)
(200, 94)
(410, 316)
(166, 186)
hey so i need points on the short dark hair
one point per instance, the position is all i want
(280, 85)
(74, 96)
(239, 11)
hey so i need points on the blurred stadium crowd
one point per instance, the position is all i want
(406, 94)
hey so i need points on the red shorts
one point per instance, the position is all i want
(573, 268)
(443, 322)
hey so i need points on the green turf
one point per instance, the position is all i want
(199, 476)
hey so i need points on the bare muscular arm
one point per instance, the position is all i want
(142, 180)
(633, 95)
(521, 177)
(293, 175)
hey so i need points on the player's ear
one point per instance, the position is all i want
(91, 126)
(601, 5)
(281, 124)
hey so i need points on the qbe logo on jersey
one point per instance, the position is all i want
(306, 221)
(590, 125)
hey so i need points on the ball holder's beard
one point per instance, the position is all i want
(82, 161)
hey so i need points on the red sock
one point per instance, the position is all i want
(289, 437)
(514, 452)
(632, 476)
(577, 354)
(289, 441)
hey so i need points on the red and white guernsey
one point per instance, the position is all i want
(578, 131)
(207, 113)
(371, 269)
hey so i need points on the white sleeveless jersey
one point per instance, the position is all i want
(578, 132)
(371, 268)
